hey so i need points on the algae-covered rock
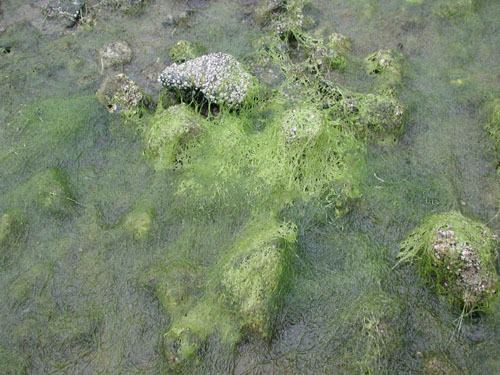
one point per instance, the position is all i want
(379, 115)
(12, 363)
(329, 54)
(138, 222)
(170, 131)
(184, 50)
(265, 10)
(67, 12)
(303, 124)
(118, 93)
(130, 7)
(453, 8)
(493, 126)
(256, 277)
(386, 65)
(440, 365)
(457, 255)
(51, 192)
(11, 224)
(219, 77)
(115, 54)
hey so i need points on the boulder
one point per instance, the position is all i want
(458, 256)
(115, 54)
(171, 130)
(219, 77)
(67, 12)
(118, 93)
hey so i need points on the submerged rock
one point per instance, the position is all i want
(458, 256)
(51, 192)
(139, 222)
(11, 224)
(65, 11)
(120, 94)
(218, 76)
(246, 293)
(130, 7)
(115, 54)
(184, 50)
(303, 124)
(386, 66)
(255, 279)
(493, 126)
(171, 130)
(380, 116)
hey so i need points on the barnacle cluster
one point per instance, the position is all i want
(218, 76)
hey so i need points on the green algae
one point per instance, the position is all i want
(343, 264)
(170, 132)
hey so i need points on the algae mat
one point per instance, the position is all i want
(105, 259)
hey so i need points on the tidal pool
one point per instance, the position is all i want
(101, 235)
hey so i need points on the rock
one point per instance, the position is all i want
(303, 124)
(454, 8)
(458, 256)
(218, 76)
(179, 19)
(440, 365)
(115, 54)
(51, 192)
(11, 225)
(139, 222)
(267, 9)
(327, 55)
(492, 126)
(255, 278)
(375, 115)
(65, 11)
(385, 65)
(130, 7)
(170, 132)
(184, 50)
(120, 94)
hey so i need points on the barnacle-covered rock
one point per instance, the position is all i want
(184, 50)
(375, 115)
(65, 11)
(303, 124)
(115, 54)
(256, 276)
(120, 94)
(51, 192)
(218, 76)
(170, 131)
(458, 256)
(386, 66)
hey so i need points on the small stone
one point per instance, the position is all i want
(115, 54)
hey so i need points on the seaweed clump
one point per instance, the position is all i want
(245, 292)
(457, 255)
(170, 132)
(11, 226)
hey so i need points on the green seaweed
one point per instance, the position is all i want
(184, 50)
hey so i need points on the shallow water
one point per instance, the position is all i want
(73, 289)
